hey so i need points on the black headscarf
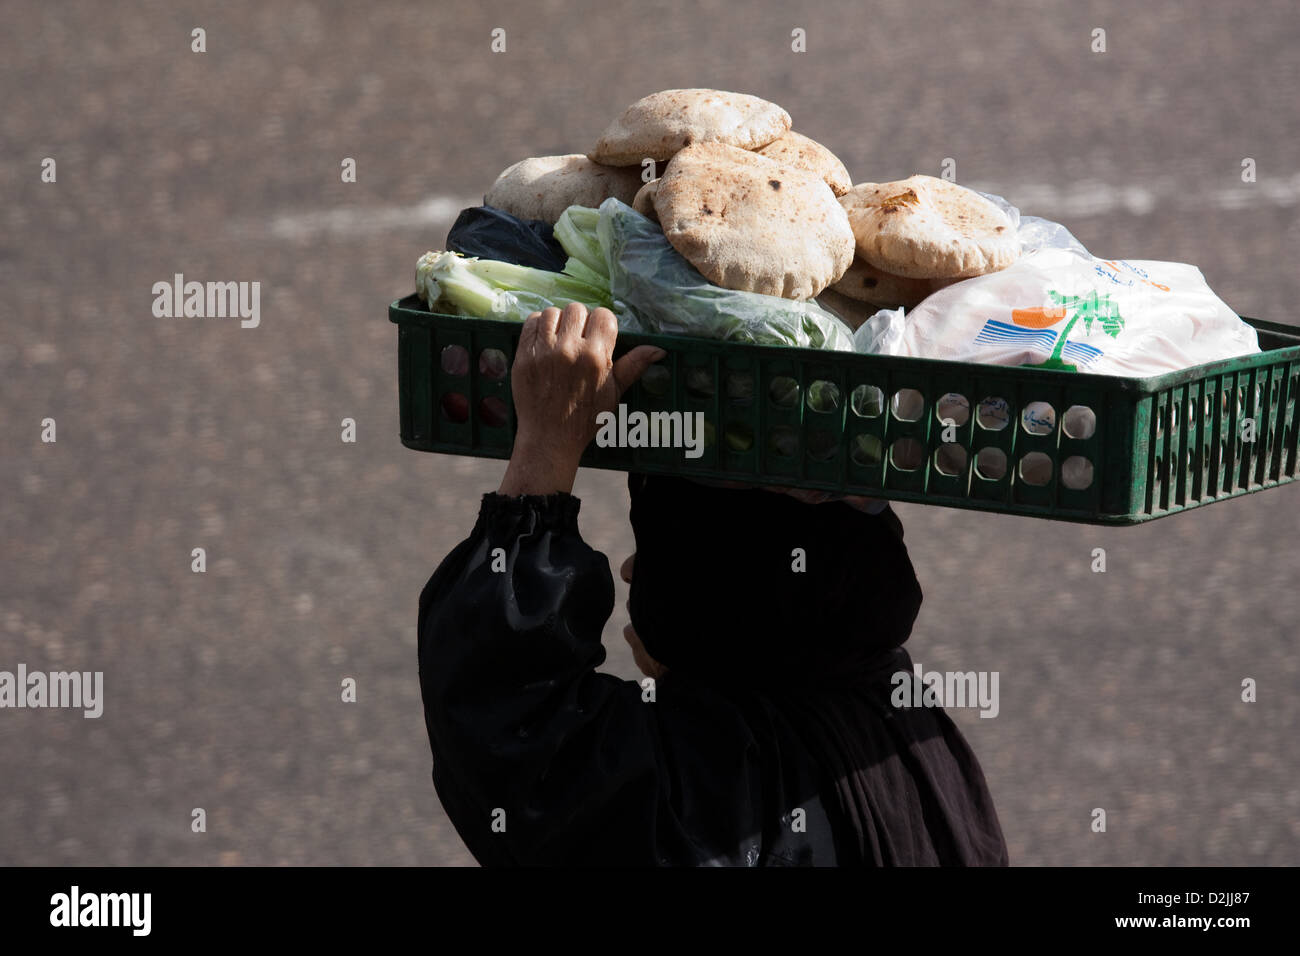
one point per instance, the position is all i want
(810, 657)
(716, 589)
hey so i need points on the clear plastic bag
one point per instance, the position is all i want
(1059, 307)
(655, 289)
(1036, 234)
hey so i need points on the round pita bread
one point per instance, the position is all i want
(795, 149)
(853, 312)
(644, 201)
(659, 125)
(927, 228)
(865, 283)
(752, 224)
(542, 187)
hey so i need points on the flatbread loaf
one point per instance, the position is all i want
(752, 224)
(853, 312)
(927, 228)
(542, 187)
(659, 125)
(795, 149)
(644, 201)
(865, 283)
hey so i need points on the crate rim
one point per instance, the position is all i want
(401, 312)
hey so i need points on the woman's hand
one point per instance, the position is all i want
(563, 376)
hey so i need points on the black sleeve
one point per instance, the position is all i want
(538, 759)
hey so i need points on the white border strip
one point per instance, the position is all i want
(346, 222)
(1084, 199)
(1075, 201)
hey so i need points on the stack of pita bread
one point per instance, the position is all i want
(917, 235)
(542, 187)
(757, 207)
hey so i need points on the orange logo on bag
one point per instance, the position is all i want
(1040, 318)
(1033, 328)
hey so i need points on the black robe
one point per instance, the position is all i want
(772, 739)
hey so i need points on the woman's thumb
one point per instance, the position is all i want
(631, 366)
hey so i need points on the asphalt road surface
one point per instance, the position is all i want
(222, 690)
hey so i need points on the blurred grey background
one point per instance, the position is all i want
(1118, 690)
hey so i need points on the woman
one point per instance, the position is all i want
(769, 628)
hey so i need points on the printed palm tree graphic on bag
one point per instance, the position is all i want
(1033, 327)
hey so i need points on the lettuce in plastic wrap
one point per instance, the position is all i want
(655, 289)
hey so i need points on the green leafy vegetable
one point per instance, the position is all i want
(576, 233)
(621, 260)
(651, 281)
(487, 289)
(576, 269)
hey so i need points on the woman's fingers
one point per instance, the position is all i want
(547, 326)
(528, 334)
(602, 329)
(601, 333)
(571, 321)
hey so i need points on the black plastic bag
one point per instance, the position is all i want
(491, 233)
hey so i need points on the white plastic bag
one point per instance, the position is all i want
(1060, 309)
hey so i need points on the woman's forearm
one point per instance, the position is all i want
(536, 470)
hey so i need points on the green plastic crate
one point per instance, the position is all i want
(1132, 449)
